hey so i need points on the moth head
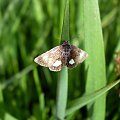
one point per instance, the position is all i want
(66, 45)
(65, 42)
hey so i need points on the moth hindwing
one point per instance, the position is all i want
(60, 56)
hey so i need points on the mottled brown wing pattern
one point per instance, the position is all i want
(76, 56)
(50, 59)
(57, 65)
(63, 55)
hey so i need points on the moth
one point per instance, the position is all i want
(63, 55)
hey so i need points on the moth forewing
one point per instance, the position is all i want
(42, 59)
(52, 68)
(48, 58)
(56, 66)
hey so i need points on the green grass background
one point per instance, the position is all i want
(31, 27)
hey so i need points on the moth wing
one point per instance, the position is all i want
(56, 66)
(49, 58)
(76, 56)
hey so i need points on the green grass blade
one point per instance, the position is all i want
(37, 7)
(62, 93)
(37, 82)
(111, 73)
(95, 63)
(9, 117)
(17, 76)
(1, 94)
(108, 19)
(65, 29)
(40, 94)
(2, 111)
(82, 101)
(63, 81)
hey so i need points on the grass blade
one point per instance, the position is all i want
(9, 117)
(40, 94)
(80, 102)
(108, 19)
(63, 81)
(17, 76)
(62, 93)
(65, 29)
(96, 60)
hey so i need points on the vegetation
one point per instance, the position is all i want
(30, 92)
